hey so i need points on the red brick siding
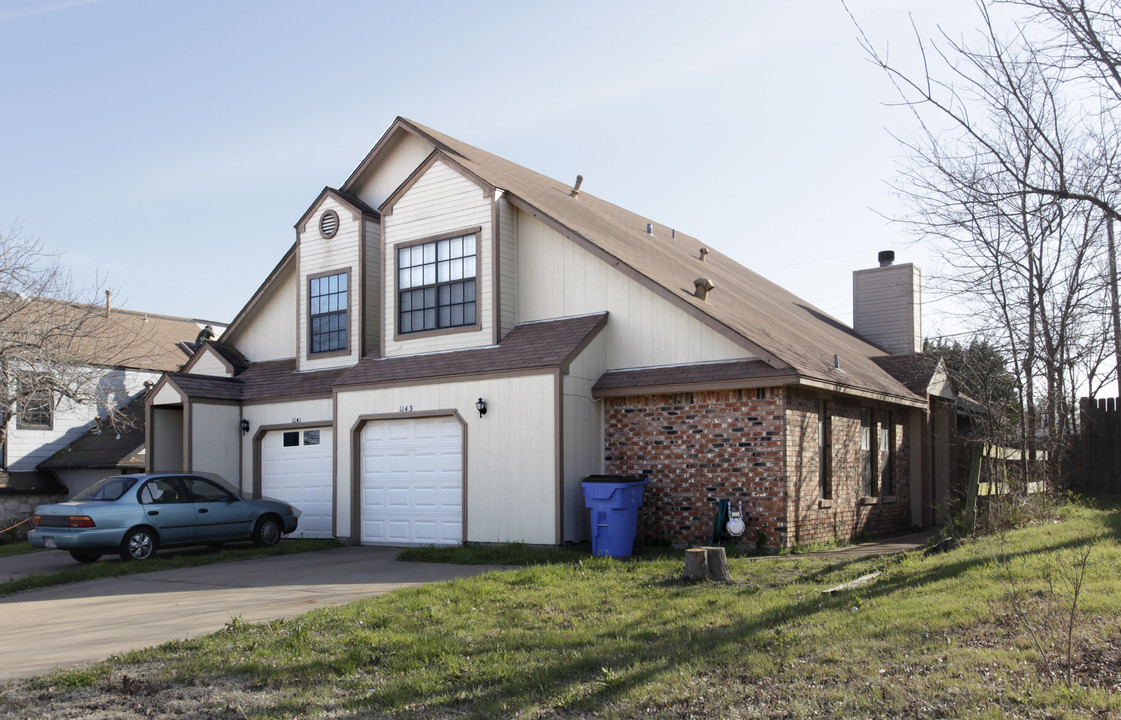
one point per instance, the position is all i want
(697, 449)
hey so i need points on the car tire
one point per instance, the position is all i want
(267, 531)
(85, 557)
(139, 543)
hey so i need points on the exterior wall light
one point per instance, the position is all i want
(244, 425)
(481, 406)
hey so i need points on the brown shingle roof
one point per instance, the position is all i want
(106, 447)
(782, 328)
(700, 374)
(263, 380)
(541, 344)
(231, 355)
(915, 370)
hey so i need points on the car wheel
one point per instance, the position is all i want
(139, 544)
(84, 557)
(267, 531)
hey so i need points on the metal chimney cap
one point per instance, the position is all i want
(886, 257)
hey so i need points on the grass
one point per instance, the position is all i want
(517, 554)
(189, 558)
(625, 638)
(16, 548)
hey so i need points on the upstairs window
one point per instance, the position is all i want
(327, 321)
(436, 284)
(34, 407)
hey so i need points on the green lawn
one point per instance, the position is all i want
(16, 548)
(931, 638)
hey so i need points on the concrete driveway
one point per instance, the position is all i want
(87, 622)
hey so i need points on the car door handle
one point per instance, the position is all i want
(202, 510)
(153, 512)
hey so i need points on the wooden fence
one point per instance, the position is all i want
(1098, 465)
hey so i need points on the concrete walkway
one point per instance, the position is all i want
(87, 622)
(887, 546)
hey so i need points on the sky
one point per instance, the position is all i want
(166, 149)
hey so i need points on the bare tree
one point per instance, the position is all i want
(56, 342)
(1015, 171)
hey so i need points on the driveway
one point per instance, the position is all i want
(87, 622)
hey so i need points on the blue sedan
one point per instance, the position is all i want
(134, 515)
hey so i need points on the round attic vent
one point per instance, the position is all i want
(329, 224)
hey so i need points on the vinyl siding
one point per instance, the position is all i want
(166, 436)
(441, 201)
(583, 436)
(272, 333)
(507, 264)
(558, 278)
(511, 456)
(27, 448)
(886, 307)
(405, 157)
(372, 287)
(318, 255)
(210, 364)
(214, 433)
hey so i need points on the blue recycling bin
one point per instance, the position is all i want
(613, 501)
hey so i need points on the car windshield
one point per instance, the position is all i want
(111, 488)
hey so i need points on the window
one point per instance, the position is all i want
(34, 407)
(824, 450)
(867, 463)
(886, 433)
(205, 491)
(436, 284)
(327, 298)
(311, 437)
(291, 439)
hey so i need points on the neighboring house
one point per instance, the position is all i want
(454, 341)
(38, 462)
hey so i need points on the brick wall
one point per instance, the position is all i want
(697, 449)
(759, 450)
(848, 515)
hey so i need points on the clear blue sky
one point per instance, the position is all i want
(172, 146)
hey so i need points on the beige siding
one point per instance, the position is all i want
(510, 461)
(507, 263)
(887, 307)
(318, 255)
(167, 395)
(214, 434)
(558, 278)
(441, 201)
(272, 333)
(274, 414)
(166, 433)
(210, 364)
(395, 169)
(583, 435)
(372, 287)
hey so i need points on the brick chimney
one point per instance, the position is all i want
(887, 305)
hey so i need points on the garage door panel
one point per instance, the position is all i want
(301, 474)
(412, 481)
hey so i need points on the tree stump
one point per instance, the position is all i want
(696, 564)
(707, 563)
(717, 564)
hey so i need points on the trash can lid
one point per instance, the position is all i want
(614, 479)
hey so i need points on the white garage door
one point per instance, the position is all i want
(412, 482)
(296, 467)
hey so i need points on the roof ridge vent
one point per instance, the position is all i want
(576, 188)
(702, 287)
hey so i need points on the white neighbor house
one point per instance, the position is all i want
(440, 277)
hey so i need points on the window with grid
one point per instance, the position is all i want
(327, 314)
(34, 407)
(824, 451)
(436, 284)
(886, 438)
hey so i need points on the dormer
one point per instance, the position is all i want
(213, 359)
(337, 282)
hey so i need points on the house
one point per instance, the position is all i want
(454, 341)
(47, 453)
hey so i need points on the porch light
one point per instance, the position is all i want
(481, 406)
(244, 425)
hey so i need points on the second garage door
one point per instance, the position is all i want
(296, 467)
(412, 482)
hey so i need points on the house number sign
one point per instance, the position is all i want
(406, 408)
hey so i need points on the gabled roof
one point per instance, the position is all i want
(770, 322)
(528, 346)
(344, 198)
(109, 447)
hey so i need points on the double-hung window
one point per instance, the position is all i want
(436, 284)
(824, 450)
(877, 438)
(327, 296)
(34, 409)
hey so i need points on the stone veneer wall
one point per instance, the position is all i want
(18, 507)
(848, 515)
(697, 449)
(758, 448)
